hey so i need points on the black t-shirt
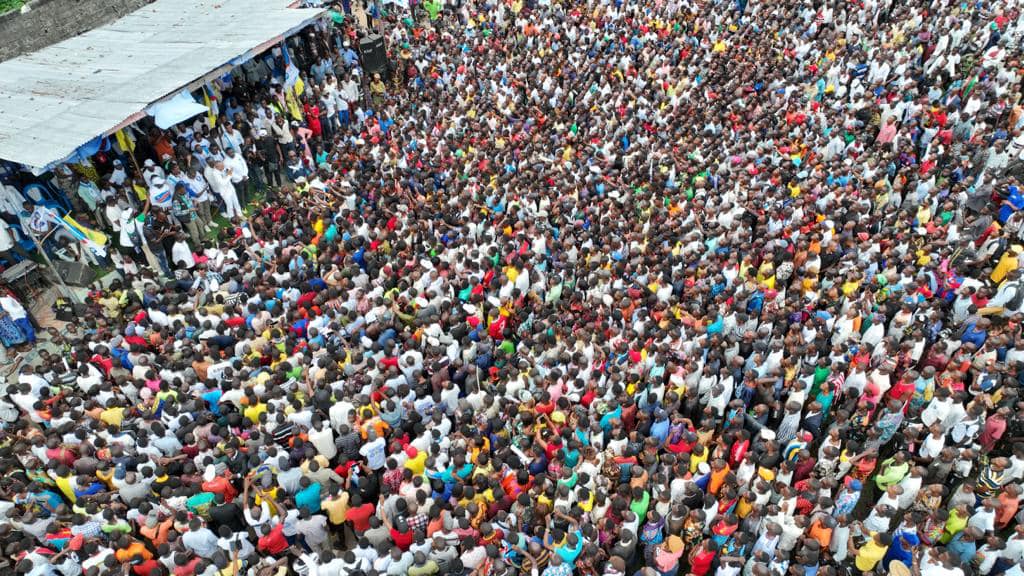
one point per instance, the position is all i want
(169, 481)
(228, 514)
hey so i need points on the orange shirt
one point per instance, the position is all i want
(221, 485)
(377, 424)
(717, 479)
(157, 534)
(125, 555)
(434, 526)
(1008, 507)
(820, 533)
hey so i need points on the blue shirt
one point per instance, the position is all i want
(309, 498)
(659, 430)
(606, 420)
(213, 399)
(568, 554)
(974, 336)
(902, 542)
(964, 550)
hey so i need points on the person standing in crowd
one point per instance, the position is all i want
(239, 170)
(199, 192)
(222, 181)
(270, 156)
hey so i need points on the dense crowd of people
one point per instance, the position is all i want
(665, 287)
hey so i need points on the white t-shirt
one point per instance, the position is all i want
(374, 453)
(323, 441)
(13, 307)
(181, 252)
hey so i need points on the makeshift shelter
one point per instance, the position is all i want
(61, 98)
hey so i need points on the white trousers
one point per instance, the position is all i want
(231, 206)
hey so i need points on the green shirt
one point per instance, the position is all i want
(199, 504)
(429, 568)
(891, 473)
(639, 507)
(118, 527)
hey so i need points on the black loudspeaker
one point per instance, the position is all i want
(67, 312)
(75, 274)
(375, 58)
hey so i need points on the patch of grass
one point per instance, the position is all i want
(10, 5)
(256, 201)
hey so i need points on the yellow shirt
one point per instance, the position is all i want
(336, 508)
(512, 273)
(272, 493)
(870, 554)
(253, 412)
(237, 569)
(113, 416)
(105, 477)
(1007, 263)
(64, 483)
(418, 464)
(696, 460)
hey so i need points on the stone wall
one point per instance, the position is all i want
(50, 21)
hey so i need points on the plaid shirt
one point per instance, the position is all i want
(393, 480)
(418, 523)
(90, 529)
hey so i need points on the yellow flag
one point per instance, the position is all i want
(94, 235)
(126, 142)
(209, 108)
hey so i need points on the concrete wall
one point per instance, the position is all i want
(50, 21)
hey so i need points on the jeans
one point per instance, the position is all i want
(343, 117)
(203, 211)
(242, 191)
(257, 178)
(161, 259)
(327, 126)
(273, 173)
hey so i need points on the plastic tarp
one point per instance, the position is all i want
(178, 109)
(56, 99)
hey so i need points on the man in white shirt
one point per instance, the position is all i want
(19, 316)
(220, 182)
(9, 243)
(373, 451)
(150, 171)
(239, 174)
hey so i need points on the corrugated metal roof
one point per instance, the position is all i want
(58, 98)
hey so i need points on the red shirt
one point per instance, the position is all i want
(146, 568)
(305, 299)
(188, 569)
(235, 321)
(274, 542)
(360, 517)
(62, 455)
(402, 539)
(221, 485)
(701, 562)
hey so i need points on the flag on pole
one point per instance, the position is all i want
(92, 239)
(211, 105)
(125, 141)
(291, 72)
(43, 218)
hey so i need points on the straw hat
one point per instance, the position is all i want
(897, 568)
